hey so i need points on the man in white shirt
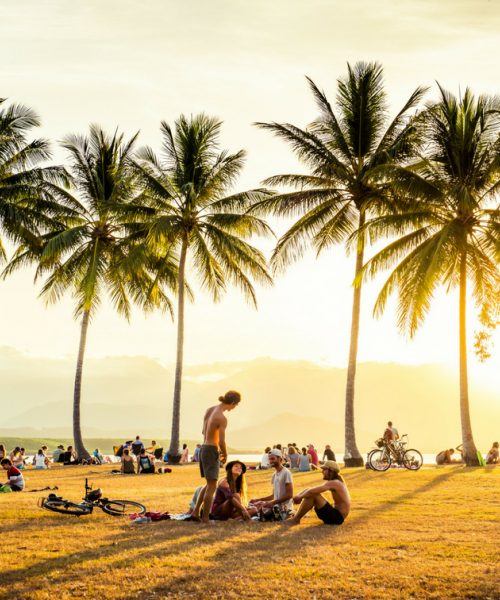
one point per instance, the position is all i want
(282, 483)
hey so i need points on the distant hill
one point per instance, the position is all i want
(122, 396)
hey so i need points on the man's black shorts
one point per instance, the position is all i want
(329, 515)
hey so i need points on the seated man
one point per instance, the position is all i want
(56, 455)
(15, 478)
(70, 456)
(313, 498)
(282, 483)
(137, 445)
(145, 462)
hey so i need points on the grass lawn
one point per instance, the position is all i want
(429, 534)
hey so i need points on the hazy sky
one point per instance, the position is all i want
(129, 64)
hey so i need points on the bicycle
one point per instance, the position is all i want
(92, 498)
(389, 452)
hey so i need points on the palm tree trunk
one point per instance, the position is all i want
(173, 452)
(352, 456)
(470, 451)
(80, 449)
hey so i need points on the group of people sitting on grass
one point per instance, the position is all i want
(304, 459)
(230, 500)
(445, 457)
(136, 458)
(226, 498)
(136, 446)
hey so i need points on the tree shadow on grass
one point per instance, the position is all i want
(225, 547)
(165, 537)
(275, 541)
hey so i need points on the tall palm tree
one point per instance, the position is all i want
(91, 250)
(195, 218)
(27, 189)
(344, 148)
(448, 233)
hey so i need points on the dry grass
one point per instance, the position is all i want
(430, 534)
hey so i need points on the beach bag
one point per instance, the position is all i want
(274, 514)
(5, 489)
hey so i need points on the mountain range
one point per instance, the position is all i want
(283, 401)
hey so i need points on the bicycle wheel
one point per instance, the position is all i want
(380, 460)
(122, 508)
(413, 460)
(67, 508)
(368, 457)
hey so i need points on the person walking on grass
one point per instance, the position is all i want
(313, 498)
(213, 451)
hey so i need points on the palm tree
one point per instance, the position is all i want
(92, 251)
(449, 231)
(27, 190)
(195, 218)
(344, 150)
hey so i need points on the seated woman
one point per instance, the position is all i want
(230, 496)
(264, 461)
(185, 455)
(293, 457)
(15, 482)
(40, 461)
(17, 458)
(493, 454)
(145, 462)
(128, 463)
(305, 461)
(97, 457)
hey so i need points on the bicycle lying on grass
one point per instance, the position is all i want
(394, 452)
(93, 498)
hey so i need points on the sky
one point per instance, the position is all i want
(130, 65)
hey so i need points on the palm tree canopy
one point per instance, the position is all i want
(346, 149)
(452, 210)
(94, 247)
(188, 188)
(28, 192)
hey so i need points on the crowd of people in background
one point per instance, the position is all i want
(136, 458)
(297, 458)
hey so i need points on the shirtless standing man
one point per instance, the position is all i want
(312, 498)
(213, 450)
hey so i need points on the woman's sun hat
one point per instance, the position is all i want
(231, 464)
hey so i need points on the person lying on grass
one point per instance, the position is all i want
(15, 478)
(230, 496)
(313, 498)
